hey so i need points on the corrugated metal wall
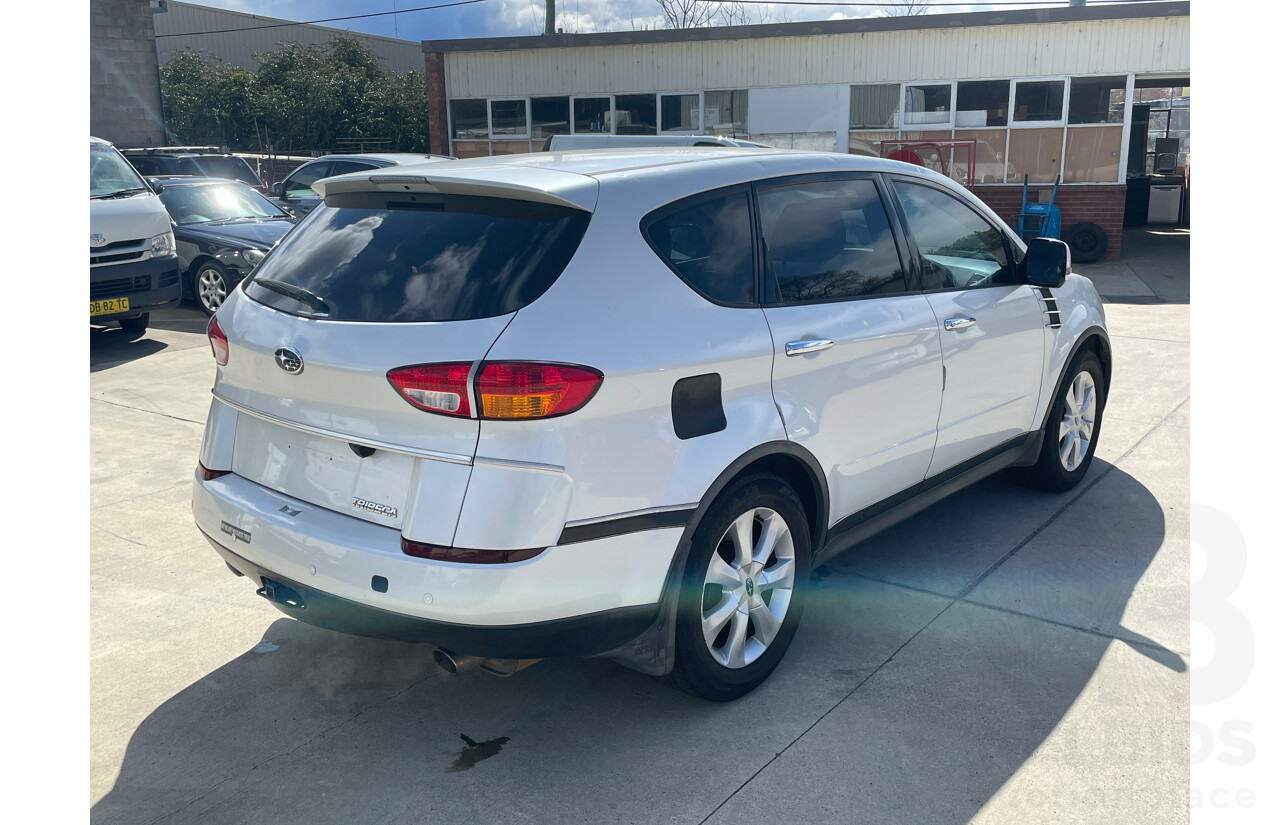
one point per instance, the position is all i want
(238, 47)
(1095, 47)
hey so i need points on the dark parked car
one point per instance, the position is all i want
(295, 192)
(223, 228)
(200, 161)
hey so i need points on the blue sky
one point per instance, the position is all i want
(511, 17)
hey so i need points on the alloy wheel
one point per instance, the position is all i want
(212, 288)
(748, 587)
(1075, 432)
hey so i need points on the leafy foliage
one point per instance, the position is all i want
(300, 98)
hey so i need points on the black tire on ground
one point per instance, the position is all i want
(697, 671)
(1088, 242)
(1050, 472)
(214, 273)
(136, 325)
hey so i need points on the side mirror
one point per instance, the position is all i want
(1047, 263)
(277, 189)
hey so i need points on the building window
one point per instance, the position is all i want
(927, 104)
(550, 116)
(1036, 153)
(1092, 154)
(636, 114)
(725, 112)
(470, 119)
(680, 113)
(508, 118)
(874, 107)
(982, 103)
(1096, 100)
(1038, 101)
(592, 114)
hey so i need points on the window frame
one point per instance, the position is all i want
(766, 282)
(662, 130)
(949, 123)
(573, 116)
(1039, 124)
(688, 201)
(1011, 250)
(528, 131)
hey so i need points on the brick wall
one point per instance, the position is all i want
(124, 77)
(1103, 205)
(437, 113)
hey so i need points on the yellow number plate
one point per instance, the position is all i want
(108, 307)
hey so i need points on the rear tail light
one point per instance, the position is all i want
(460, 554)
(513, 391)
(218, 341)
(209, 475)
(437, 388)
(505, 391)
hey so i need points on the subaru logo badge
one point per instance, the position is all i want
(289, 360)
(97, 240)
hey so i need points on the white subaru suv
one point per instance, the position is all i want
(620, 403)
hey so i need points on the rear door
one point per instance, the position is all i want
(991, 327)
(368, 285)
(857, 365)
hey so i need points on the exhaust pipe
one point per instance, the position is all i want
(455, 663)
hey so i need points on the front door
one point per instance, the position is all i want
(857, 369)
(992, 328)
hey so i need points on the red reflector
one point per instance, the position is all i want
(218, 341)
(437, 388)
(209, 475)
(518, 390)
(461, 554)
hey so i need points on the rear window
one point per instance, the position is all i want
(219, 167)
(365, 257)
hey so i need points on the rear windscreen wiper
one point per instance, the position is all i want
(297, 293)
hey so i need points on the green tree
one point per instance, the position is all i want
(300, 98)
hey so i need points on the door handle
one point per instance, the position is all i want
(807, 347)
(953, 324)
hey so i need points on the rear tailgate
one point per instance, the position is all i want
(337, 433)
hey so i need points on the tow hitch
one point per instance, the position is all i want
(281, 594)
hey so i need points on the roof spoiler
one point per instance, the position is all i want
(514, 183)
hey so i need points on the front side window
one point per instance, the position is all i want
(958, 247)
(829, 241)
(706, 239)
(299, 183)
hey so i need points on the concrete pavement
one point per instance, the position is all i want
(1007, 656)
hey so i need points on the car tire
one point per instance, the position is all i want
(136, 325)
(1072, 429)
(211, 285)
(722, 651)
(1088, 242)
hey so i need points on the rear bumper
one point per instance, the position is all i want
(150, 285)
(580, 599)
(577, 636)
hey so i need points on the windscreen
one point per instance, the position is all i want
(413, 258)
(109, 173)
(209, 202)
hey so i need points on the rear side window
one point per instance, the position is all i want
(706, 239)
(366, 257)
(829, 241)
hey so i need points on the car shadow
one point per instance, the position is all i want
(110, 346)
(894, 705)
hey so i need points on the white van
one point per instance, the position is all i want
(559, 143)
(133, 262)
